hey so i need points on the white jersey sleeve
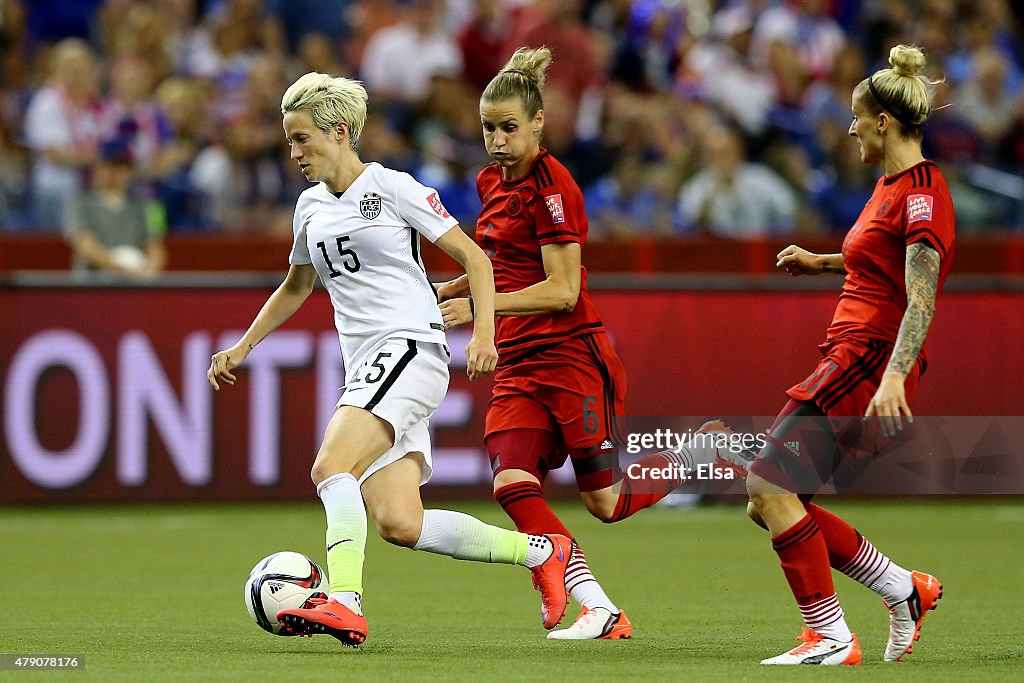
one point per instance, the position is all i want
(304, 209)
(421, 207)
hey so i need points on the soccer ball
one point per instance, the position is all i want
(284, 580)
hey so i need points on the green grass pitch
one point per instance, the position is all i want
(155, 593)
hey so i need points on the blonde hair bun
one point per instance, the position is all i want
(907, 60)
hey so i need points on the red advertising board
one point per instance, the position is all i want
(105, 396)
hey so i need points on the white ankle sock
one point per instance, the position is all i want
(349, 599)
(879, 573)
(826, 618)
(538, 550)
(582, 585)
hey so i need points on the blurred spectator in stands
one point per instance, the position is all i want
(300, 18)
(986, 101)
(721, 71)
(827, 102)
(388, 147)
(400, 60)
(636, 199)
(807, 28)
(556, 24)
(733, 197)
(985, 24)
(449, 135)
(131, 112)
(184, 104)
(139, 29)
(482, 43)
(317, 53)
(846, 182)
(62, 130)
(109, 229)
(52, 20)
(256, 191)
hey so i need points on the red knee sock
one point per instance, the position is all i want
(804, 559)
(524, 503)
(841, 539)
(642, 490)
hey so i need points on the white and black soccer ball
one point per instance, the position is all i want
(284, 580)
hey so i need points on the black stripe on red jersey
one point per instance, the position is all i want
(508, 343)
(393, 377)
(923, 165)
(928, 173)
(854, 375)
(506, 360)
(529, 174)
(611, 426)
(543, 174)
(556, 233)
(930, 237)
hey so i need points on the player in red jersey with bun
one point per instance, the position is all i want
(895, 259)
(559, 384)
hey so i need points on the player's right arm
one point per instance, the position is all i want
(282, 304)
(797, 261)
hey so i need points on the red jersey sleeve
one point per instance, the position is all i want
(929, 216)
(558, 206)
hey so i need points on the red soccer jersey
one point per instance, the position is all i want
(907, 207)
(545, 206)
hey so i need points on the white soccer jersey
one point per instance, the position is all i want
(365, 247)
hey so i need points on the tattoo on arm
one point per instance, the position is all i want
(922, 276)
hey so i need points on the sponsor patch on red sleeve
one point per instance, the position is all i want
(554, 204)
(437, 206)
(919, 207)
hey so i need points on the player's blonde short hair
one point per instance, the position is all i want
(523, 78)
(902, 91)
(329, 100)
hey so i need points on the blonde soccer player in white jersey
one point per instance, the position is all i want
(358, 229)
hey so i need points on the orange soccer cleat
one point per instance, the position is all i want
(596, 624)
(817, 649)
(329, 617)
(905, 617)
(733, 458)
(549, 579)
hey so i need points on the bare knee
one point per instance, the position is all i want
(602, 504)
(399, 530)
(319, 473)
(755, 515)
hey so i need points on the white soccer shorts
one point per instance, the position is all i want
(402, 381)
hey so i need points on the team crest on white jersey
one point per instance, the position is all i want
(369, 205)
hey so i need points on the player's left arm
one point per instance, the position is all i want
(922, 280)
(557, 292)
(481, 354)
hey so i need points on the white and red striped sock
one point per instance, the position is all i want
(826, 618)
(879, 573)
(582, 585)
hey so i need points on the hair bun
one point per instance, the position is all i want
(907, 60)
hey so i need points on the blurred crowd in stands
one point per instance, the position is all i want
(677, 117)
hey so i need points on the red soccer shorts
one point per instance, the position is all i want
(806, 445)
(574, 391)
(848, 376)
